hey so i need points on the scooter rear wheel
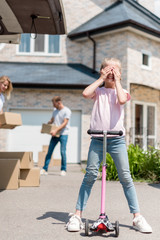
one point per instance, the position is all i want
(116, 228)
(86, 227)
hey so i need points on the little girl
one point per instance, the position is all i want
(108, 114)
(5, 88)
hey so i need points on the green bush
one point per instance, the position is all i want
(111, 168)
(136, 161)
(144, 165)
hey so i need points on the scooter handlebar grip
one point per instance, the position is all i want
(119, 133)
(94, 131)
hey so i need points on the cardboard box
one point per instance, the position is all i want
(10, 120)
(9, 173)
(30, 177)
(26, 158)
(56, 162)
(53, 162)
(47, 128)
(45, 148)
(41, 159)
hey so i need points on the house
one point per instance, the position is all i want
(65, 64)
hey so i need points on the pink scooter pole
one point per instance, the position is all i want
(103, 187)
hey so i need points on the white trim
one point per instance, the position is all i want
(38, 54)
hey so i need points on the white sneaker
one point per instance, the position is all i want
(140, 224)
(75, 224)
(43, 172)
(63, 173)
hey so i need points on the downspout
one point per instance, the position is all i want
(94, 52)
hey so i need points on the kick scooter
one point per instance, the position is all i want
(103, 224)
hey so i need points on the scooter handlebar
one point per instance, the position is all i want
(120, 133)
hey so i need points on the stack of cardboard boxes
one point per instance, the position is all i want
(16, 168)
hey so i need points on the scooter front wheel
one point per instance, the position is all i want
(87, 227)
(116, 228)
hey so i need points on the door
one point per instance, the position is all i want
(28, 137)
(144, 128)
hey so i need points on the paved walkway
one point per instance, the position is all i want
(41, 213)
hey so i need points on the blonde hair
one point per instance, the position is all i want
(106, 61)
(10, 87)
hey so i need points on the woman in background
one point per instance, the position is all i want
(5, 89)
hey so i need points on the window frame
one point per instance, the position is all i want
(46, 47)
(144, 136)
(149, 66)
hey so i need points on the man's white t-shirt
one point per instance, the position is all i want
(59, 116)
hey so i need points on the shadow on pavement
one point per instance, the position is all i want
(60, 216)
(155, 185)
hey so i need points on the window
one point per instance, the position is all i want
(144, 129)
(41, 45)
(146, 60)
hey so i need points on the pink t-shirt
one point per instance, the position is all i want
(107, 113)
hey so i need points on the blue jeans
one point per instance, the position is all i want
(53, 142)
(116, 147)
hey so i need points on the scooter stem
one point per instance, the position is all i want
(103, 188)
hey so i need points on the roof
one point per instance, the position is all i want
(122, 13)
(31, 16)
(48, 75)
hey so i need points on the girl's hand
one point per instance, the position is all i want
(104, 72)
(117, 74)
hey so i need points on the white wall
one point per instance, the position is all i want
(29, 138)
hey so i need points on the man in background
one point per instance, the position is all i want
(60, 117)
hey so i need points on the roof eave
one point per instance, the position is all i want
(124, 24)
